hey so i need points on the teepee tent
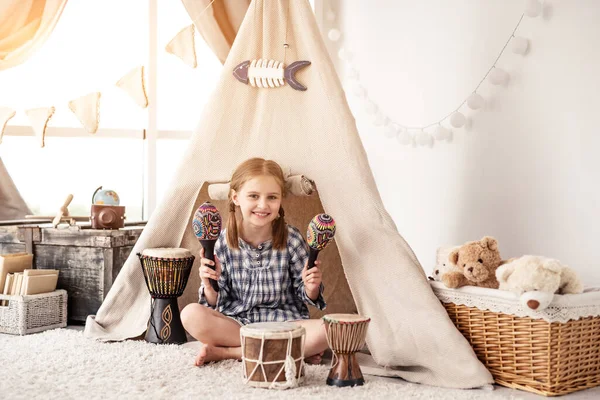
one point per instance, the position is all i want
(313, 133)
(12, 205)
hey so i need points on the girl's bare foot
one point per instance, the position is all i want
(207, 354)
(316, 359)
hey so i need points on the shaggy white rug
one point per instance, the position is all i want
(61, 363)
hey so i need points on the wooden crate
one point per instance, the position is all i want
(88, 259)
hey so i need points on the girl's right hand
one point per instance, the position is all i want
(206, 272)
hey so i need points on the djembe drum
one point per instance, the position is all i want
(166, 272)
(346, 335)
(272, 354)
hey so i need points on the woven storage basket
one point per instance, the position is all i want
(530, 352)
(35, 313)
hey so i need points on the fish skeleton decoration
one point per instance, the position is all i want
(264, 73)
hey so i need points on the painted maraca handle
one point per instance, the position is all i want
(209, 252)
(312, 257)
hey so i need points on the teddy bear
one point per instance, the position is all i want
(536, 279)
(443, 265)
(477, 262)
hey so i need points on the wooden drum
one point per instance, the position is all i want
(272, 354)
(166, 272)
(346, 334)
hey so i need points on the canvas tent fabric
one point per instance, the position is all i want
(313, 133)
(12, 205)
(217, 22)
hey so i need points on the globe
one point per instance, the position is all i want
(106, 197)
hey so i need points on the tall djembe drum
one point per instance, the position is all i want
(346, 334)
(166, 272)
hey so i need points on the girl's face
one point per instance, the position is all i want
(259, 200)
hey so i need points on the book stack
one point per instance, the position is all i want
(18, 279)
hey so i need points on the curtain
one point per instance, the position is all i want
(24, 26)
(218, 22)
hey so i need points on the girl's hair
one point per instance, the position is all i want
(250, 169)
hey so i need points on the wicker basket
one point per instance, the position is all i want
(531, 354)
(35, 313)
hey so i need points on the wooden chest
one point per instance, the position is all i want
(88, 259)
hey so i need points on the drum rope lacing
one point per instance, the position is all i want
(350, 342)
(334, 357)
(289, 365)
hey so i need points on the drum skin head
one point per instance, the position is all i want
(167, 252)
(272, 329)
(345, 318)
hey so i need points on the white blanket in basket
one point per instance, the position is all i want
(562, 308)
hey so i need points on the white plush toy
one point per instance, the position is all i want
(443, 265)
(537, 279)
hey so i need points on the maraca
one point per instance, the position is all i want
(207, 227)
(321, 230)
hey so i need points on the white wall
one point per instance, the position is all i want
(527, 170)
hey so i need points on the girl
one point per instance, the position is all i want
(261, 269)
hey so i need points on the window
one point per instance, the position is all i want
(46, 176)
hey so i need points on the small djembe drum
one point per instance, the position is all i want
(166, 272)
(346, 335)
(272, 354)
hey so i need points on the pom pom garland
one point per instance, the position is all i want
(370, 107)
(475, 101)
(334, 35)
(421, 135)
(441, 133)
(498, 76)
(533, 8)
(405, 138)
(457, 119)
(424, 139)
(380, 119)
(391, 131)
(520, 45)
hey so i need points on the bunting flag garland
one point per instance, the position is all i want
(5, 115)
(183, 46)
(39, 118)
(133, 84)
(87, 110)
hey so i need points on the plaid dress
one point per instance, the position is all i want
(260, 284)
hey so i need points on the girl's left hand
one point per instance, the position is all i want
(312, 279)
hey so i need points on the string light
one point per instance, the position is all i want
(419, 135)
